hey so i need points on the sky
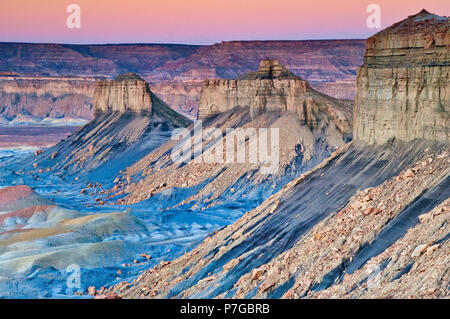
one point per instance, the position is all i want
(200, 21)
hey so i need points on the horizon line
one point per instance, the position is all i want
(178, 43)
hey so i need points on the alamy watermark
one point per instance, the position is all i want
(73, 273)
(374, 271)
(250, 145)
(74, 19)
(374, 19)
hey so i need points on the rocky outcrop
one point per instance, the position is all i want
(181, 96)
(325, 234)
(37, 236)
(344, 90)
(330, 66)
(127, 92)
(403, 88)
(19, 197)
(316, 61)
(369, 221)
(310, 125)
(271, 88)
(130, 120)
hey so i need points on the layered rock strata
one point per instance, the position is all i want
(403, 88)
(369, 221)
(46, 97)
(332, 232)
(271, 88)
(310, 125)
(127, 92)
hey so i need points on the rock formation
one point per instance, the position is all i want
(130, 120)
(19, 197)
(369, 221)
(336, 219)
(333, 232)
(46, 97)
(271, 88)
(181, 96)
(126, 92)
(269, 69)
(403, 88)
(310, 125)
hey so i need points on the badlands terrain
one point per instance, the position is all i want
(113, 189)
(39, 81)
(357, 208)
(371, 221)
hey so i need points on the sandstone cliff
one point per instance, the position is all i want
(403, 88)
(310, 125)
(130, 93)
(175, 72)
(271, 88)
(371, 221)
(317, 61)
(42, 97)
(345, 229)
(126, 92)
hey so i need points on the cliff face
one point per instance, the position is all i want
(403, 88)
(271, 88)
(126, 93)
(88, 60)
(181, 96)
(175, 72)
(42, 97)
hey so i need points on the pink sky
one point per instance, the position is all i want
(200, 21)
